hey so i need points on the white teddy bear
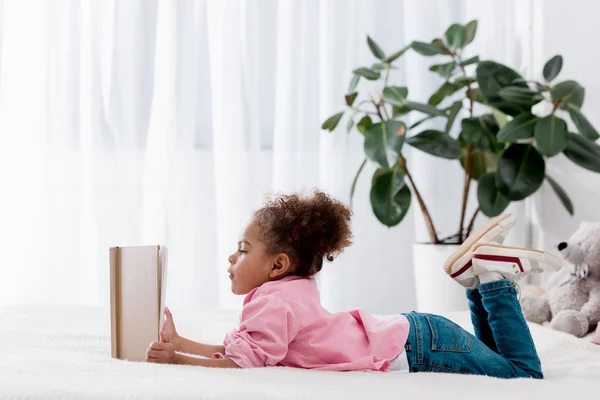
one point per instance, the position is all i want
(572, 301)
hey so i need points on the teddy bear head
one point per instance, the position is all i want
(583, 248)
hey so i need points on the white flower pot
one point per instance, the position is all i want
(436, 292)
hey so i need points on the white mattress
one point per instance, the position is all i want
(64, 352)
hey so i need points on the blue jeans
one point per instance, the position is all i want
(502, 347)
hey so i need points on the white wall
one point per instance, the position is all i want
(571, 29)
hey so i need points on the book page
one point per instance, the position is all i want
(139, 299)
(163, 260)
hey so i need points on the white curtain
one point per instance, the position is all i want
(147, 121)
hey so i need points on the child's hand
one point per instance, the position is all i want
(169, 329)
(161, 352)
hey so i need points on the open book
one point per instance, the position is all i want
(137, 299)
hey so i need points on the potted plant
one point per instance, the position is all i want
(489, 127)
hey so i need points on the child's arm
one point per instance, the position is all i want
(186, 345)
(213, 363)
(189, 346)
(166, 353)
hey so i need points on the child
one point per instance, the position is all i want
(283, 324)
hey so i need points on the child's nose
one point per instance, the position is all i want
(230, 259)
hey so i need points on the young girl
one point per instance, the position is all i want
(283, 323)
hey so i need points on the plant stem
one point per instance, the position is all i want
(468, 165)
(472, 223)
(377, 107)
(387, 75)
(444, 240)
(385, 82)
(428, 221)
(466, 188)
(387, 116)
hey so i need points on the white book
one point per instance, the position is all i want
(137, 299)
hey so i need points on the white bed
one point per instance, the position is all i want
(64, 352)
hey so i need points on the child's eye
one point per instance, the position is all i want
(242, 251)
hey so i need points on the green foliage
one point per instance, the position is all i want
(395, 95)
(375, 49)
(521, 127)
(491, 200)
(499, 142)
(331, 123)
(521, 171)
(383, 142)
(552, 68)
(568, 93)
(390, 197)
(551, 135)
(436, 143)
(562, 195)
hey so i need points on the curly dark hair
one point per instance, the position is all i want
(306, 228)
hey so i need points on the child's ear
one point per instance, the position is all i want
(281, 266)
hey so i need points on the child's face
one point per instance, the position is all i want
(250, 266)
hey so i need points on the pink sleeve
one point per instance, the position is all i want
(266, 329)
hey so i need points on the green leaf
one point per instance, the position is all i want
(465, 80)
(353, 83)
(475, 95)
(390, 197)
(331, 122)
(480, 131)
(521, 127)
(500, 118)
(553, 67)
(353, 188)
(478, 163)
(439, 43)
(471, 28)
(447, 89)
(491, 201)
(367, 73)
(383, 142)
(393, 57)
(437, 144)
(472, 60)
(375, 49)
(444, 70)
(562, 195)
(427, 49)
(551, 135)
(419, 122)
(520, 96)
(364, 124)
(424, 108)
(395, 95)
(400, 111)
(583, 152)
(483, 161)
(581, 122)
(492, 77)
(456, 36)
(521, 171)
(570, 92)
(350, 97)
(378, 67)
(541, 87)
(454, 110)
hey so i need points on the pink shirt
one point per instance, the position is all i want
(283, 324)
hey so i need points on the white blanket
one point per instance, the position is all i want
(64, 352)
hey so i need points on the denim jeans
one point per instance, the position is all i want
(502, 347)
